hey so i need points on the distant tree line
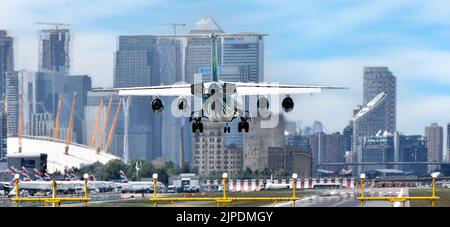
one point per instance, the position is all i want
(110, 171)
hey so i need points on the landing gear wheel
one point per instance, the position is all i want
(246, 126)
(200, 127)
(243, 126)
(197, 127)
(194, 127)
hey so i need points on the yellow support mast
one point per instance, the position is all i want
(113, 126)
(97, 122)
(105, 125)
(58, 119)
(70, 128)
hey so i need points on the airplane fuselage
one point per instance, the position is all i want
(219, 104)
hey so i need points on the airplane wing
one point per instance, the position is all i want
(278, 89)
(170, 90)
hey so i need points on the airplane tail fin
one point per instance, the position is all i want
(13, 170)
(25, 174)
(123, 177)
(70, 175)
(47, 177)
(37, 175)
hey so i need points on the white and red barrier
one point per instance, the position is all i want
(247, 185)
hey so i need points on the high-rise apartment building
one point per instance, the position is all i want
(54, 50)
(170, 64)
(376, 81)
(6, 58)
(258, 140)
(3, 136)
(447, 152)
(20, 83)
(434, 137)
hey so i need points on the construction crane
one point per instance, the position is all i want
(97, 122)
(20, 130)
(55, 24)
(174, 26)
(113, 126)
(58, 119)
(70, 128)
(105, 125)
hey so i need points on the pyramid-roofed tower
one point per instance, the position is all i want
(207, 25)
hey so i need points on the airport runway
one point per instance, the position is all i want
(347, 198)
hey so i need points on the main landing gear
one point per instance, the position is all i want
(243, 125)
(197, 126)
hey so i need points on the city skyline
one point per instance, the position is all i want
(409, 45)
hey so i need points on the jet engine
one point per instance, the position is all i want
(157, 105)
(182, 104)
(263, 104)
(287, 104)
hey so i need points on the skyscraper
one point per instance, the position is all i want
(246, 50)
(6, 58)
(198, 50)
(54, 50)
(348, 134)
(3, 136)
(447, 153)
(49, 86)
(80, 84)
(377, 80)
(258, 141)
(434, 137)
(20, 83)
(317, 127)
(367, 123)
(136, 65)
(170, 64)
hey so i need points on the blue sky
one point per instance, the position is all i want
(319, 42)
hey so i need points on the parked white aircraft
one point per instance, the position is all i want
(138, 186)
(66, 186)
(271, 185)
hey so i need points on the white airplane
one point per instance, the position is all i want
(330, 193)
(7, 186)
(43, 183)
(38, 176)
(271, 185)
(138, 186)
(221, 101)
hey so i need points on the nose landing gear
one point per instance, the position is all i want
(243, 125)
(227, 129)
(197, 126)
